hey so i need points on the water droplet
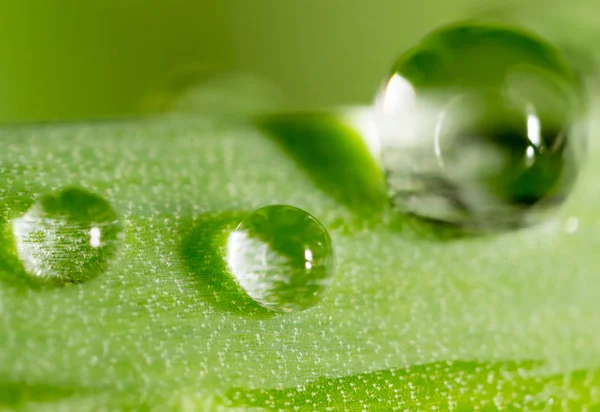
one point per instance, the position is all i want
(282, 257)
(480, 126)
(198, 88)
(69, 236)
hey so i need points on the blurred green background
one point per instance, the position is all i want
(69, 59)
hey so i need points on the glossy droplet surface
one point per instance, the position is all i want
(282, 258)
(480, 125)
(70, 236)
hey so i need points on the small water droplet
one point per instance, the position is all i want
(198, 88)
(479, 126)
(282, 257)
(69, 236)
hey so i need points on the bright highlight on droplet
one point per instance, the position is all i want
(308, 256)
(95, 234)
(534, 129)
(399, 94)
(481, 126)
(529, 156)
(70, 236)
(282, 258)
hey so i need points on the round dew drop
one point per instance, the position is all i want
(480, 126)
(69, 237)
(282, 258)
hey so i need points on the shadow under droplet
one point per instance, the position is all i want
(334, 156)
(203, 250)
(337, 160)
(19, 394)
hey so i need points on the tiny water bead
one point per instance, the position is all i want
(69, 237)
(480, 126)
(282, 257)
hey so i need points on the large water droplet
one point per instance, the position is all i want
(69, 237)
(480, 126)
(282, 257)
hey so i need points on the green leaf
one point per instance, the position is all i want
(441, 385)
(414, 320)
